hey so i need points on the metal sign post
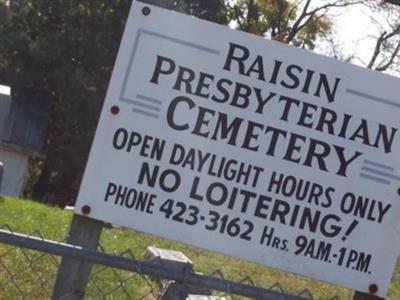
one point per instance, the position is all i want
(363, 296)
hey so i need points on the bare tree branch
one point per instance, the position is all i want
(387, 44)
(306, 16)
(296, 25)
(385, 37)
(251, 12)
(391, 59)
(377, 50)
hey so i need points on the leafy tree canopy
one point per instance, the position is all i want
(62, 52)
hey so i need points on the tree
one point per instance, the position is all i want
(300, 22)
(63, 52)
(210, 10)
(387, 42)
(384, 38)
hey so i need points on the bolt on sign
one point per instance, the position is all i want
(249, 147)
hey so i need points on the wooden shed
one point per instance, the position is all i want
(22, 129)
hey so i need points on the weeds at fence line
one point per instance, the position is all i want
(29, 274)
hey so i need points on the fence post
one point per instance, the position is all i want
(363, 296)
(73, 275)
(175, 260)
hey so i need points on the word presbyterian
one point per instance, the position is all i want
(186, 113)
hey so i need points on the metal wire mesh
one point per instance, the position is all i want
(25, 274)
(111, 283)
(28, 274)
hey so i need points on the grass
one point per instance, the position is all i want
(27, 217)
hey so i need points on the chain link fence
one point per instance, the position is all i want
(30, 274)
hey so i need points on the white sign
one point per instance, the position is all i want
(249, 147)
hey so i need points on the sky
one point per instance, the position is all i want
(354, 32)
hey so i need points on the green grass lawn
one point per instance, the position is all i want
(32, 273)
